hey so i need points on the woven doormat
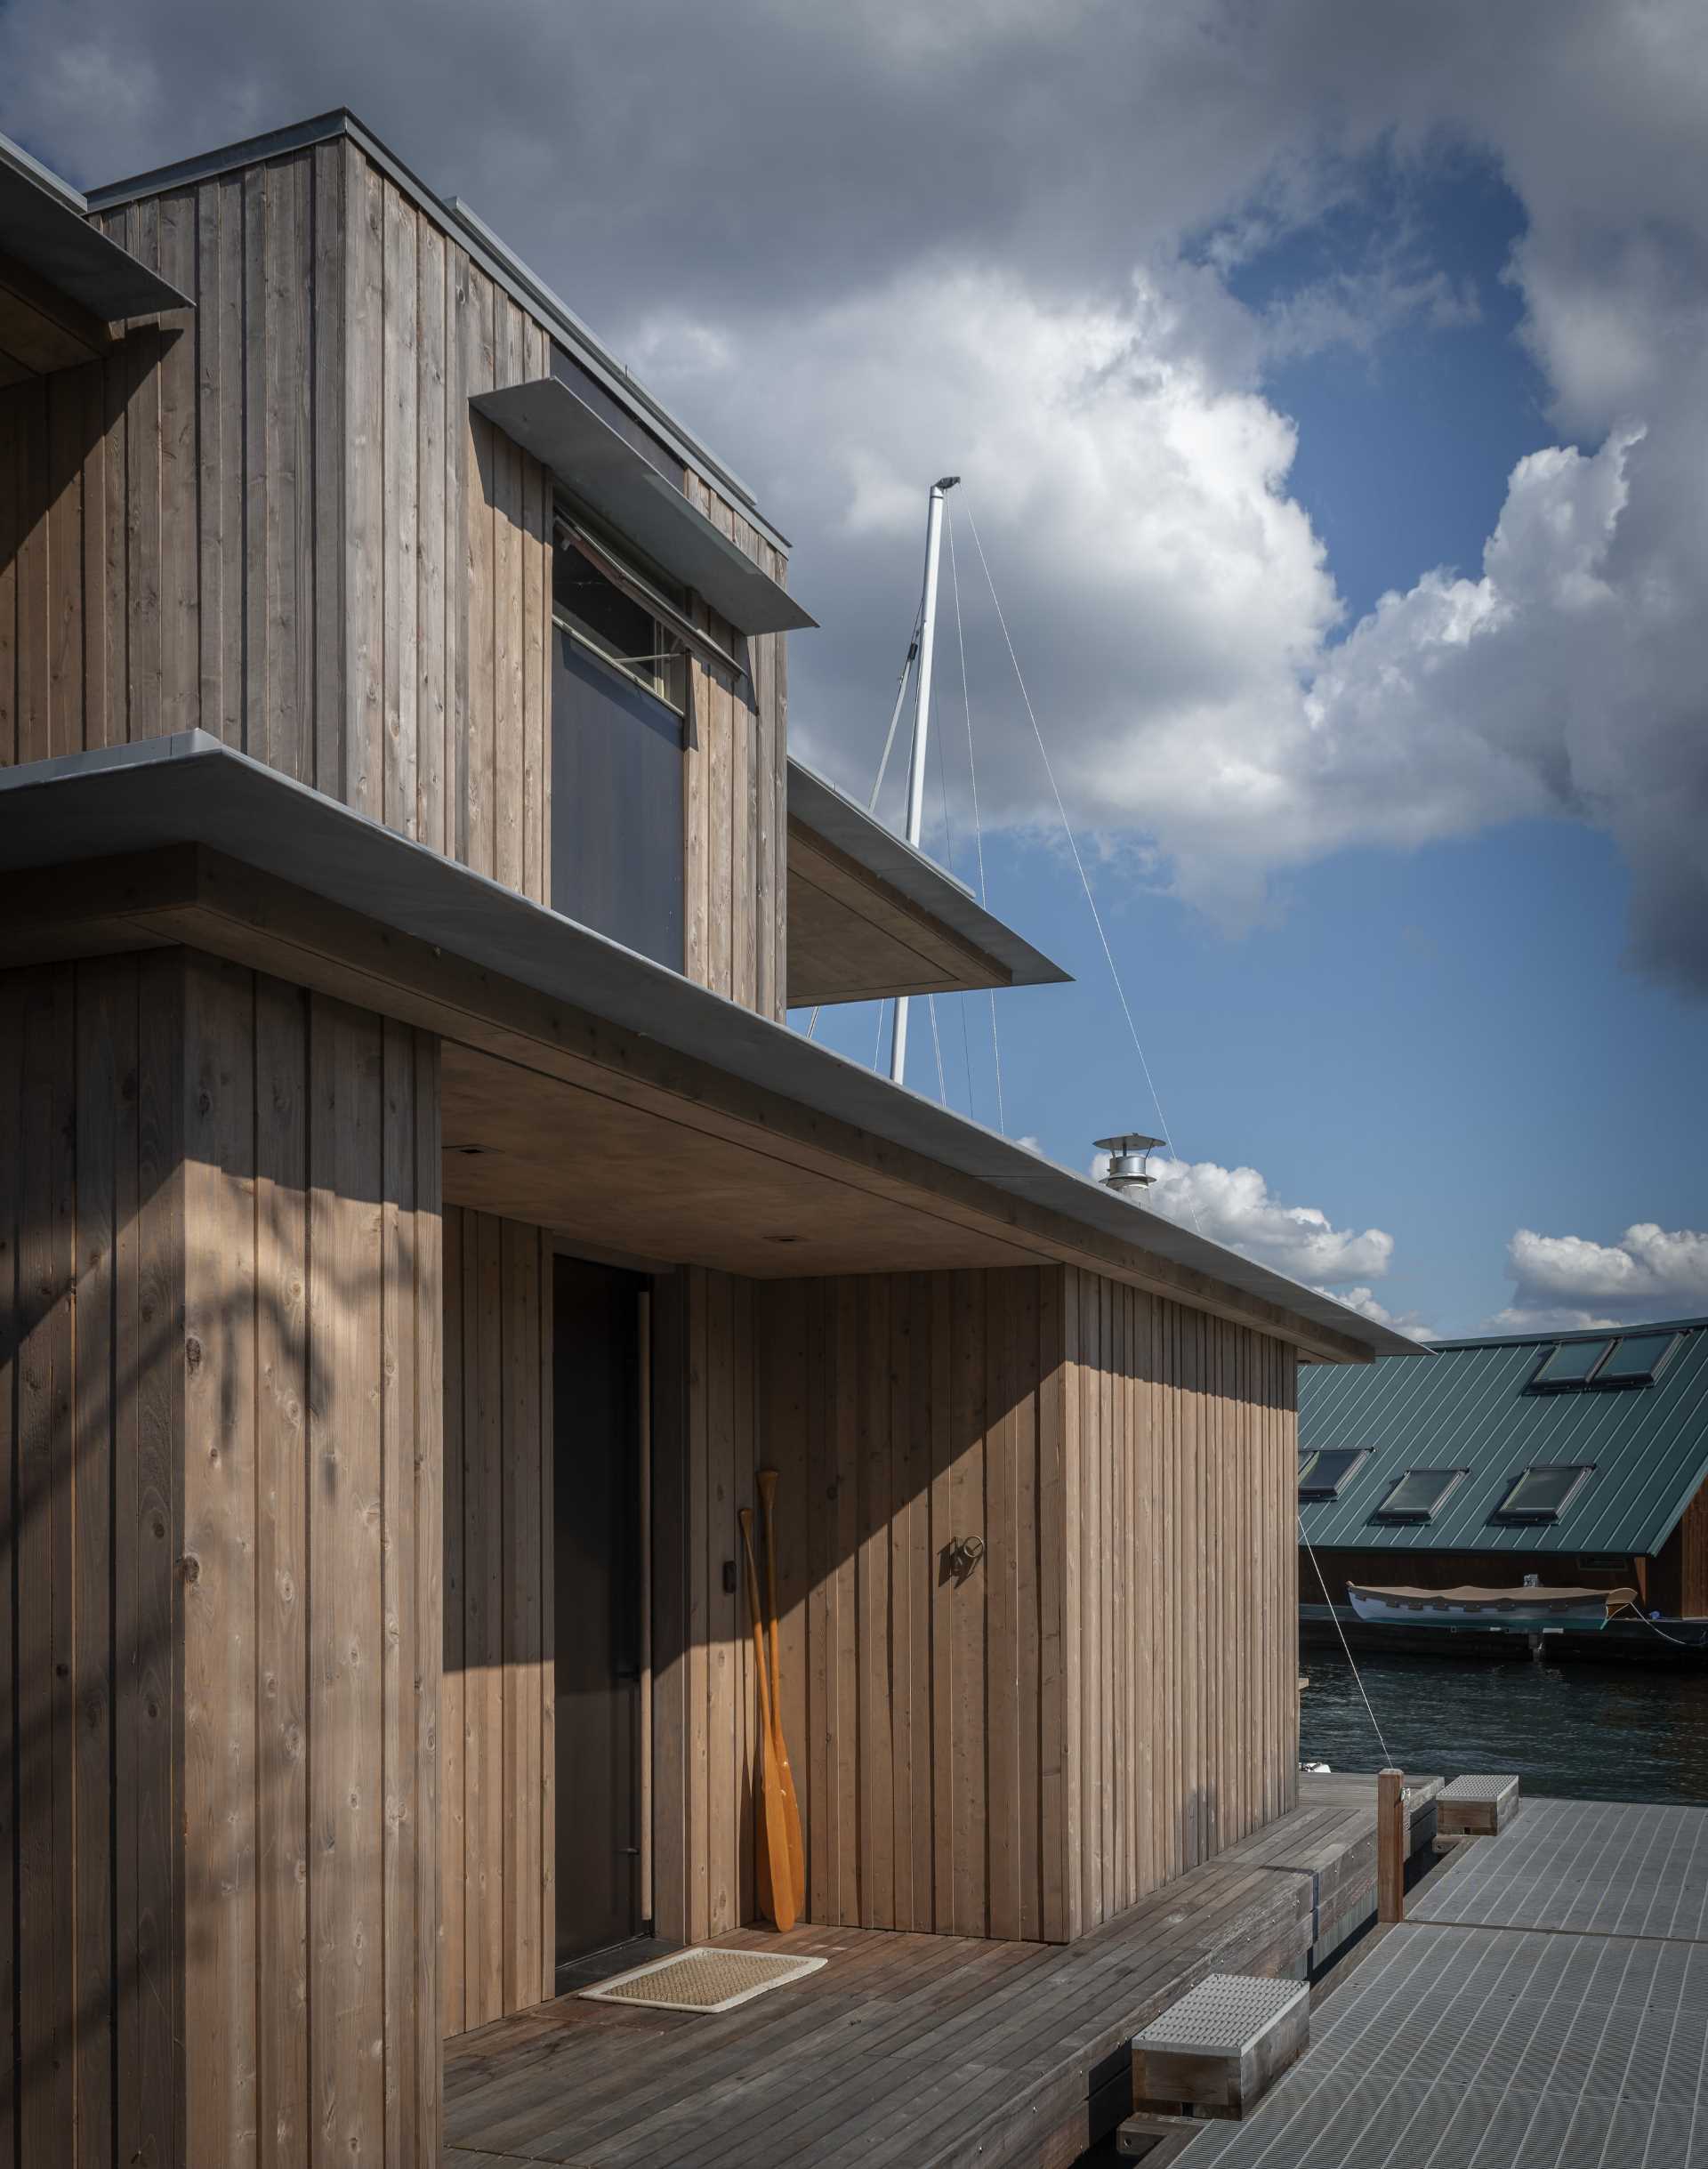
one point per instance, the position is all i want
(702, 1979)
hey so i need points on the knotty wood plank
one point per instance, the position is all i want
(547, 1688)
(364, 485)
(453, 1849)
(1073, 1640)
(33, 713)
(219, 1596)
(64, 524)
(535, 572)
(148, 1748)
(507, 611)
(1000, 1570)
(97, 686)
(11, 477)
(523, 1654)
(345, 1537)
(481, 497)
(281, 573)
(333, 164)
(847, 1886)
(670, 1540)
(483, 1694)
(13, 998)
(970, 1913)
(400, 599)
(696, 1745)
(220, 360)
(399, 1647)
(436, 433)
(1029, 1715)
(105, 1115)
(283, 2104)
(180, 706)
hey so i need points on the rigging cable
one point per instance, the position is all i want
(977, 834)
(1333, 1613)
(942, 1088)
(1097, 916)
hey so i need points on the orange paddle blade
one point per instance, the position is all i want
(772, 1865)
(796, 1843)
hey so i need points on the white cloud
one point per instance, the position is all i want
(1563, 1282)
(1235, 1205)
(1364, 1301)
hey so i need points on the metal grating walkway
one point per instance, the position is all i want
(1532, 2039)
(1600, 1869)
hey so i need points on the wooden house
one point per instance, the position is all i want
(1579, 1459)
(418, 1222)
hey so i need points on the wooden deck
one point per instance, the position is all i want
(928, 2050)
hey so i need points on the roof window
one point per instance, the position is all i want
(1419, 1493)
(1638, 1359)
(1569, 1363)
(1544, 1491)
(1325, 1473)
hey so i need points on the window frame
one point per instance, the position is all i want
(1539, 1517)
(1356, 1456)
(1639, 1378)
(1420, 1518)
(1538, 1383)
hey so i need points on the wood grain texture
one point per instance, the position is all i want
(496, 1870)
(197, 1821)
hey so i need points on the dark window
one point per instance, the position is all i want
(1325, 1474)
(1542, 1493)
(1418, 1494)
(1638, 1359)
(617, 766)
(1569, 1363)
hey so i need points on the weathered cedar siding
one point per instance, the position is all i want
(1107, 1698)
(219, 1411)
(276, 518)
(497, 1794)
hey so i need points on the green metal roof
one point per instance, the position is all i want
(1472, 1406)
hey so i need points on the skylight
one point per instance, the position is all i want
(1638, 1359)
(1325, 1474)
(1544, 1491)
(1569, 1363)
(1419, 1494)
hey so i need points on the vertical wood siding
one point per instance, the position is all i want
(273, 519)
(1181, 1599)
(219, 1404)
(498, 1816)
(735, 797)
(1106, 1699)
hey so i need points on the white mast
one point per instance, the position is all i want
(921, 725)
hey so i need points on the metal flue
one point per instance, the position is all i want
(1129, 1162)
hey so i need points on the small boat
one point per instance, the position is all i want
(1520, 1611)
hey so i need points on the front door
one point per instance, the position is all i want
(598, 1418)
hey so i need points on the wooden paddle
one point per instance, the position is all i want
(775, 1885)
(786, 1776)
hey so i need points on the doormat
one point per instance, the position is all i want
(702, 1979)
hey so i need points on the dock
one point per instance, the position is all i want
(932, 2052)
(1543, 2005)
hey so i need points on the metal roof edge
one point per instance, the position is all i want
(495, 257)
(1574, 1333)
(14, 154)
(849, 827)
(204, 792)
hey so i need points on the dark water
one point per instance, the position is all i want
(1571, 1731)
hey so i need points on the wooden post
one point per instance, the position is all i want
(1390, 1845)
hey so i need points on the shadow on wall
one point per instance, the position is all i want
(215, 1237)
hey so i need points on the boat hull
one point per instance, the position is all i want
(1527, 1611)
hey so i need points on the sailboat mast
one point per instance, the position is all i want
(922, 727)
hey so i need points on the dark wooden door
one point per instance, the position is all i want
(597, 1514)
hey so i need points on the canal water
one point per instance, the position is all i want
(1577, 1731)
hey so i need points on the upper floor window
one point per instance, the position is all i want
(1569, 1363)
(620, 681)
(1634, 1360)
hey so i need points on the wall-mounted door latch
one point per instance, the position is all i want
(962, 1554)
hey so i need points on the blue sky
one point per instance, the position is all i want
(1448, 1042)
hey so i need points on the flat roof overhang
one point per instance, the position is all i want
(621, 486)
(870, 916)
(562, 1043)
(63, 282)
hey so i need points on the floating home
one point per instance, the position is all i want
(418, 1223)
(1568, 1460)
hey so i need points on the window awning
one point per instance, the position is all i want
(596, 466)
(42, 231)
